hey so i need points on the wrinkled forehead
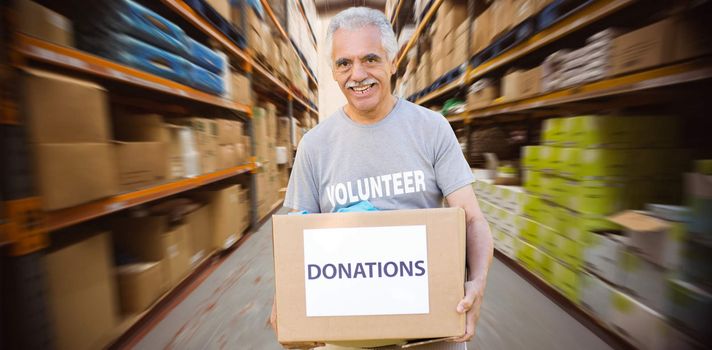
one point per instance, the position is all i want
(355, 43)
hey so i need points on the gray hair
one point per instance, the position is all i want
(359, 17)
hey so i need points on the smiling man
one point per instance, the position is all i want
(386, 150)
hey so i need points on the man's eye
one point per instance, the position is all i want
(371, 60)
(341, 64)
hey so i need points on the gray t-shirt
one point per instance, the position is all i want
(408, 160)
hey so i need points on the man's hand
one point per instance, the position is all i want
(301, 345)
(470, 304)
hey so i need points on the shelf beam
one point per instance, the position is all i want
(65, 57)
(419, 30)
(62, 218)
(281, 29)
(582, 18)
(650, 79)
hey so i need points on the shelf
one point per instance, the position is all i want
(455, 84)
(394, 15)
(58, 219)
(66, 57)
(645, 80)
(285, 36)
(274, 207)
(200, 23)
(304, 14)
(428, 16)
(580, 19)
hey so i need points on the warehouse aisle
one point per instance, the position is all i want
(229, 310)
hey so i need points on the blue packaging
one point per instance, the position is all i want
(131, 18)
(151, 59)
(202, 79)
(206, 58)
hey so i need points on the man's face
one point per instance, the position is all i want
(361, 67)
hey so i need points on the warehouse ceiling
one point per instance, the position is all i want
(323, 6)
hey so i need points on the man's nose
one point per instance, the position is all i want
(359, 72)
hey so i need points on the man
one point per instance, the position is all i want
(377, 143)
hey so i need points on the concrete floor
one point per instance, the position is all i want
(229, 310)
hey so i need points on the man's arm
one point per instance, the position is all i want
(479, 250)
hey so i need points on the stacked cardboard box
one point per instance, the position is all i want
(81, 289)
(38, 21)
(68, 127)
(181, 157)
(233, 149)
(205, 133)
(449, 33)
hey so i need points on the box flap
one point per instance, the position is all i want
(639, 222)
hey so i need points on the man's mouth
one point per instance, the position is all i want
(362, 89)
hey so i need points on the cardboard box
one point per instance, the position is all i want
(69, 174)
(659, 241)
(81, 292)
(596, 296)
(567, 281)
(643, 327)
(222, 202)
(178, 250)
(530, 82)
(140, 164)
(511, 85)
(227, 157)
(691, 38)
(183, 157)
(603, 257)
(645, 280)
(140, 128)
(241, 91)
(377, 307)
(140, 285)
(60, 109)
(38, 21)
(199, 225)
(223, 8)
(205, 132)
(229, 131)
(649, 46)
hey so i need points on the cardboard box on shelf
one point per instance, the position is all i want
(229, 131)
(644, 327)
(133, 127)
(691, 38)
(511, 84)
(596, 296)
(81, 291)
(227, 157)
(205, 133)
(199, 225)
(530, 82)
(140, 285)
(304, 276)
(603, 257)
(222, 7)
(646, 47)
(502, 16)
(222, 202)
(659, 241)
(645, 280)
(140, 164)
(183, 156)
(60, 109)
(36, 20)
(69, 174)
(178, 249)
(241, 91)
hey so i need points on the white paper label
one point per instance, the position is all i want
(366, 271)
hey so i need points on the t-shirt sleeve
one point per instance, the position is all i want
(302, 190)
(451, 169)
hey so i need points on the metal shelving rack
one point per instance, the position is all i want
(647, 86)
(24, 226)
